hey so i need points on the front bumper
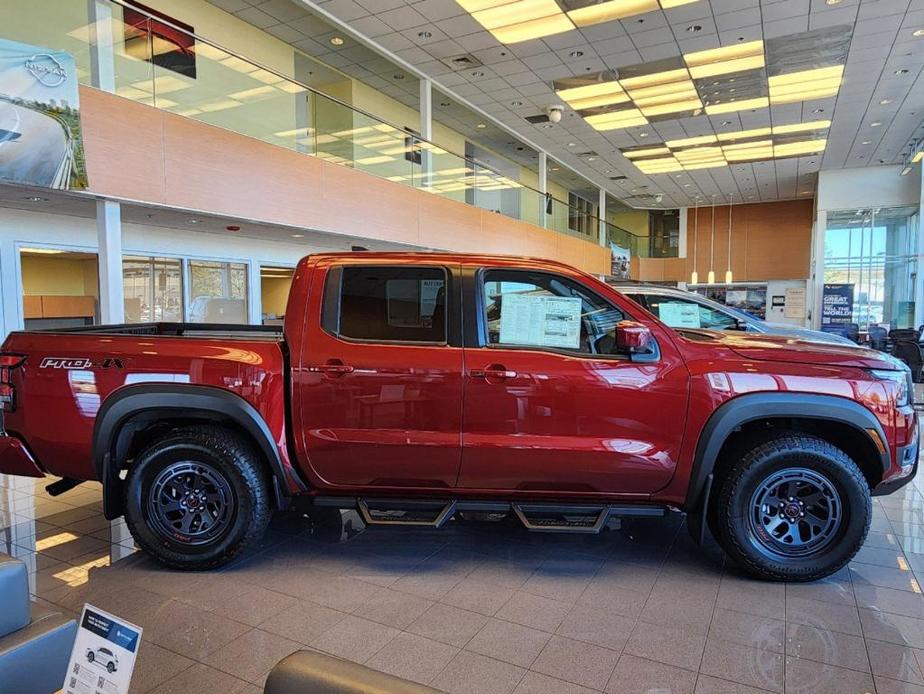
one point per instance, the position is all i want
(15, 459)
(907, 458)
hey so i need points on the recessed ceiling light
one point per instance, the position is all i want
(193, 221)
(398, 76)
(643, 134)
(298, 236)
(516, 103)
(694, 28)
(36, 198)
(576, 54)
(336, 40)
(548, 126)
(571, 144)
(478, 73)
(885, 102)
(553, 168)
(481, 126)
(818, 110)
(726, 122)
(866, 142)
(901, 71)
(424, 34)
(832, 2)
(875, 124)
(591, 159)
(444, 104)
(918, 32)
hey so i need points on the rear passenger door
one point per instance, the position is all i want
(379, 387)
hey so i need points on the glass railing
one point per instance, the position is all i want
(162, 64)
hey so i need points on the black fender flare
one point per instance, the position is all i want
(755, 406)
(176, 400)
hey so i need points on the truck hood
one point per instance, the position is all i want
(781, 348)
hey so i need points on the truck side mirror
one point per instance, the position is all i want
(633, 337)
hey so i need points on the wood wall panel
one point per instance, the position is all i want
(139, 153)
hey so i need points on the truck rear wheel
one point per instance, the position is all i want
(793, 508)
(197, 498)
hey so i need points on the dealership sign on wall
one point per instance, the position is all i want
(40, 140)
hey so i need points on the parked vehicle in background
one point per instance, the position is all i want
(683, 309)
(414, 386)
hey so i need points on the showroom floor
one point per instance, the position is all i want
(489, 607)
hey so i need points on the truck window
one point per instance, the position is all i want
(681, 313)
(543, 310)
(388, 304)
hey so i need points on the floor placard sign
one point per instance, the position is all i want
(103, 656)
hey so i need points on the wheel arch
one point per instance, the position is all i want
(133, 410)
(754, 408)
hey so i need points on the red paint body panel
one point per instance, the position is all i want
(412, 420)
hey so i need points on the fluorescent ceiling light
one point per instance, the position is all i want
(608, 11)
(520, 20)
(632, 154)
(732, 106)
(796, 148)
(747, 145)
(672, 107)
(756, 132)
(801, 127)
(691, 141)
(721, 61)
(632, 83)
(593, 95)
(917, 157)
(669, 4)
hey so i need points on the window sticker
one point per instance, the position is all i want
(545, 321)
(679, 314)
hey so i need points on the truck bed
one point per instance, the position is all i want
(269, 333)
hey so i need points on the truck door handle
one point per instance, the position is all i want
(493, 371)
(333, 368)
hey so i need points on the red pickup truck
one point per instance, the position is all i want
(414, 387)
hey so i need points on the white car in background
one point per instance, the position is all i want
(711, 315)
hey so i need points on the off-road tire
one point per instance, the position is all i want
(236, 460)
(785, 450)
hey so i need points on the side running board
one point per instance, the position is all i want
(536, 517)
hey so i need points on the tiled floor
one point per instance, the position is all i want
(491, 608)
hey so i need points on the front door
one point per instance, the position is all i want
(379, 386)
(551, 404)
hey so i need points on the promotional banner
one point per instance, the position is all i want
(103, 656)
(620, 262)
(40, 141)
(836, 308)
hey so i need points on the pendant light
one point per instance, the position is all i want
(711, 277)
(728, 272)
(694, 278)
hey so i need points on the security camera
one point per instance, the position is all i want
(554, 113)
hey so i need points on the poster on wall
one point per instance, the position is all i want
(620, 262)
(795, 303)
(40, 139)
(837, 308)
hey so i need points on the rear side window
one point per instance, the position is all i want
(680, 313)
(386, 304)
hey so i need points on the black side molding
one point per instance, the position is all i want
(755, 406)
(152, 401)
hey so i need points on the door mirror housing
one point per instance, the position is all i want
(634, 337)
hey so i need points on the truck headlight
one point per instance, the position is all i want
(903, 384)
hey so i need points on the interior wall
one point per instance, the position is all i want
(59, 276)
(872, 186)
(769, 241)
(275, 293)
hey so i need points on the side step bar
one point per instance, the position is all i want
(536, 517)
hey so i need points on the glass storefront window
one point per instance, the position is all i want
(217, 292)
(153, 289)
(875, 251)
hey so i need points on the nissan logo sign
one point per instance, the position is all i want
(46, 69)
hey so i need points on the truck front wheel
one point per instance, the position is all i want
(793, 508)
(197, 498)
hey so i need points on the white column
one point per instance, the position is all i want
(682, 238)
(817, 278)
(601, 222)
(426, 128)
(11, 297)
(109, 233)
(102, 63)
(919, 261)
(254, 294)
(543, 188)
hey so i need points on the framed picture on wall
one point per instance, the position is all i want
(168, 44)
